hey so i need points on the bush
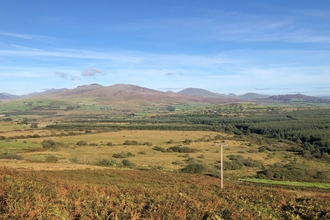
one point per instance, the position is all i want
(194, 168)
(173, 149)
(11, 156)
(170, 142)
(324, 175)
(187, 150)
(158, 148)
(128, 163)
(123, 155)
(181, 149)
(147, 143)
(252, 163)
(109, 144)
(106, 163)
(93, 144)
(48, 144)
(128, 142)
(187, 141)
(51, 159)
(81, 143)
(233, 165)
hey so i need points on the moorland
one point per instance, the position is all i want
(127, 152)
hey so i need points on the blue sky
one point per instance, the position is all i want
(267, 47)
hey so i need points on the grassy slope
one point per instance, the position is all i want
(133, 194)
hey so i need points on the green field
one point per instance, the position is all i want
(288, 183)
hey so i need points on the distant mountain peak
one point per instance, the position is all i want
(295, 97)
(199, 92)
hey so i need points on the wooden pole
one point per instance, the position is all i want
(221, 166)
(221, 163)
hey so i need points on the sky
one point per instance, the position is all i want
(267, 47)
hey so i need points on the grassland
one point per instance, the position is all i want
(289, 183)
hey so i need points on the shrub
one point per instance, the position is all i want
(194, 168)
(181, 149)
(11, 156)
(129, 154)
(147, 143)
(109, 144)
(232, 165)
(170, 142)
(252, 163)
(35, 136)
(187, 150)
(81, 143)
(158, 148)
(123, 155)
(128, 142)
(253, 151)
(51, 159)
(324, 175)
(173, 149)
(106, 163)
(191, 160)
(128, 163)
(93, 144)
(48, 144)
(187, 141)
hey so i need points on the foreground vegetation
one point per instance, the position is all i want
(133, 194)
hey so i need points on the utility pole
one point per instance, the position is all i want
(221, 162)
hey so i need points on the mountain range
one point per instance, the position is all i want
(132, 94)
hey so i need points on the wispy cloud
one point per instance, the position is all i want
(91, 72)
(62, 75)
(74, 78)
(15, 35)
(40, 38)
(262, 89)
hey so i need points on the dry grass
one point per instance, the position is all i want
(145, 157)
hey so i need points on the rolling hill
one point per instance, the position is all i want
(295, 98)
(131, 94)
(200, 92)
(6, 96)
(126, 94)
